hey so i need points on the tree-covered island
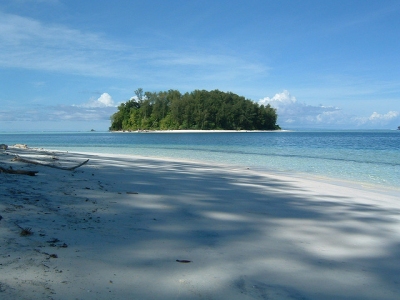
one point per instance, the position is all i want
(200, 109)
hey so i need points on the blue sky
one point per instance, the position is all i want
(66, 64)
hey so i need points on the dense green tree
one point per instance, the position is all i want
(199, 109)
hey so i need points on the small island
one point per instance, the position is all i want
(198, 110)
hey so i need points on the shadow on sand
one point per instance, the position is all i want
(247, 235)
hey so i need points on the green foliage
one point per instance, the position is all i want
(199, 109)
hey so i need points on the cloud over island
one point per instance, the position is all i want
(295, 114)
(105, 100)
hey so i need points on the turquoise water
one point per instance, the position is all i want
(363, 156)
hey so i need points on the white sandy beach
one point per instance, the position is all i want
(197, 131)
(115, 227)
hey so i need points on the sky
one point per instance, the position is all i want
(67, 64)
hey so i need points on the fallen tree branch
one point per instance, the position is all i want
(21, 172)
(18, 158)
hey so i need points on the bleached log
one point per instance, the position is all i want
(21, 172)
(18, 158)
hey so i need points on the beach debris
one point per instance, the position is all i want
(53, 255)
(26, 231)
(132, 193)
(21, 159)
(183, 261)
(21, 146)
(10, 170)
(53, 240)
(53, 243)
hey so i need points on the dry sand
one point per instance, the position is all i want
(115, 228)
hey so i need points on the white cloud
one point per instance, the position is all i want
(280, 99)
(389, 119)
(105, 100)
(292, 114)
(389, 116)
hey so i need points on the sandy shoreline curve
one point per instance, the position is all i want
(124, 227)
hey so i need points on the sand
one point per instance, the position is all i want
(115, 227)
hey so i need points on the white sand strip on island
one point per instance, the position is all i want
(115, 228)
(196, 131)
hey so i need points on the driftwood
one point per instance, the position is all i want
(18, 158)
(21, 172)
(21, 146)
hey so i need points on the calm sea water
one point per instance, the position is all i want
(364, 156)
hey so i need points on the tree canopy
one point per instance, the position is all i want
(200, 109)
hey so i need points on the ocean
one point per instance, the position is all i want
(366, 157)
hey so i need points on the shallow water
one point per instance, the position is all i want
(364, 156)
